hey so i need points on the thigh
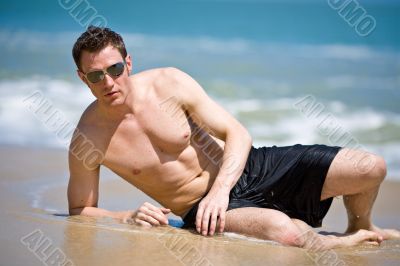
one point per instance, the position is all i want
(349, 173)
(261, 223)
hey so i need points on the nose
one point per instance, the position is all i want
(108, 81)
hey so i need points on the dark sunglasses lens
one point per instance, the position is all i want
(116, 69)
(95, 76)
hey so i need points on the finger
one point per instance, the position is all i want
(378, 239)
(128, 221)
(153, 211)
(205, 222)
(372, 236)
(199, 216)
(155, 215)
(372, 243)
(213, 222)
(152, 207)
(165, 211)
(147, 218)
(142, 223)
(221, 221)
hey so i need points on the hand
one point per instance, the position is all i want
(213, 207)
(147, 215)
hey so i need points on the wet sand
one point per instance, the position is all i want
(35, 228)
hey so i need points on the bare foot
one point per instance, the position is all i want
(386, 233)
(362, 237)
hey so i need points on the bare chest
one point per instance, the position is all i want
(148, 144)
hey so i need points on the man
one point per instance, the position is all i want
(160, 131)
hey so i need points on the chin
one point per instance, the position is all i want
(115, 102)
(118, 101)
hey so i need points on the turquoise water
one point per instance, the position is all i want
(256, 58)
(296, 21)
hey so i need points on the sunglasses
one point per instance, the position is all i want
(98, 75)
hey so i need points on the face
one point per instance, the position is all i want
(111, 90)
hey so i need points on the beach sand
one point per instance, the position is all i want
(35, 228)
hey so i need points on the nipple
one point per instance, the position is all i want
(136, 171)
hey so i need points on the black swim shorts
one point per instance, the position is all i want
(288, 179)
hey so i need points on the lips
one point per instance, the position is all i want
(110, 93)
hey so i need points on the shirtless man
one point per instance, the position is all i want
(160, 131)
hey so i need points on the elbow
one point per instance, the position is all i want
(245, 136)
(247, 139)
(72, 212)
(75, 211)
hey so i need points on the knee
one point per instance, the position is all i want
(289, 235)
(376, 169)
(380, 168)
(303, 238)
(293, 239)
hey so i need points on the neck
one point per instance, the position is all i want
(121, 111)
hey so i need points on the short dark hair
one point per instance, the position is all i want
(94, 39)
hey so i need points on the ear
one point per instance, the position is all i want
(128, 61)
(82, 77)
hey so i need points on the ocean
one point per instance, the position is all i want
(266, 62)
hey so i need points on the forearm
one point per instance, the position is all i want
(237, 147)
(96, 212)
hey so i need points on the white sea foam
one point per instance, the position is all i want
(283, 124)
(19, 125)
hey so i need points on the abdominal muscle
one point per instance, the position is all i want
(180, 183)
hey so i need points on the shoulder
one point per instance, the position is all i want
(173, 74)
(88, 117)
(163, 74)
(165, 81)
(85, 151)
(86, 126)
(174, 81)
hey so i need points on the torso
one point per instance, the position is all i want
(157, 150)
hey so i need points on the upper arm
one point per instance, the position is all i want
(202, 109)
(83, 183)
